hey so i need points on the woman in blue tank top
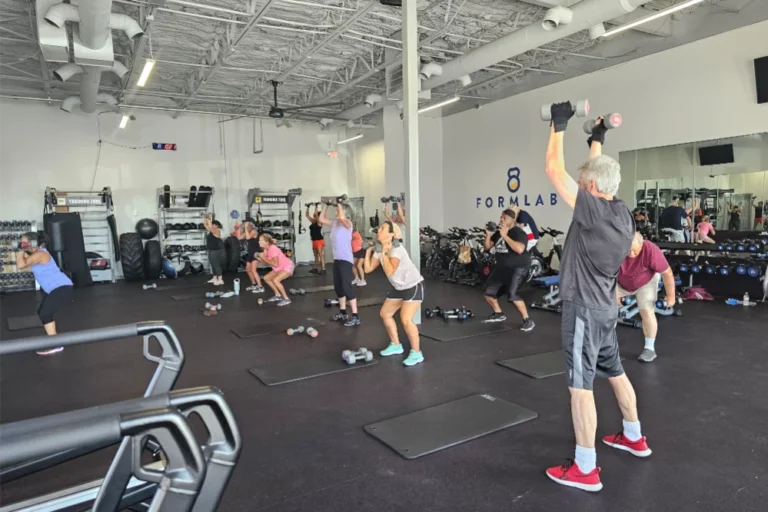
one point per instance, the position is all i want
(55, 284)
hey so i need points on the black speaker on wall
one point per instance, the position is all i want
(761, 79)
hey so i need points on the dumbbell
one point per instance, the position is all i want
(491, 226)
(662, 304)
(724, 270)
(695, 268)
(148, 286)
(297, 291)
(210, 295)
(339, 200)
(709, 269)
(740, 247)
(312, 332)
(209, 306)
(610, 121)
(297, 330)
(260, 302)
(741, 268)
(330, 302)
(754, 271)
(581, 109)
(459, 314)
(429, 313)
(684, 268)
(351, 357)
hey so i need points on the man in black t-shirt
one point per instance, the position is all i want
(512, 262)
(672, 219)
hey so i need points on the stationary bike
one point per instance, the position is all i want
(541, 265)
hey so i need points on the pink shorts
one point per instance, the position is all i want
(284, 268)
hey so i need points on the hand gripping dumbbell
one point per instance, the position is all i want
(297, 291)
(581, 109)
(330, 302)
(351, 357)
(148, 286)
(610, 121)
(297, 330)
(312, 332)
(210, 307)
(429, 313)
(662, 304)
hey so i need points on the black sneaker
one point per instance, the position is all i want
(495, 317)
(313, 271)
(353, 321)
(339, 317)
(528, 325)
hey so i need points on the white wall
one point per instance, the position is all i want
(42, 146)
(700, 91)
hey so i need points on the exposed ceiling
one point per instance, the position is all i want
(218, 56)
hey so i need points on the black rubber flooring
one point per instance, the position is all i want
(703, 405)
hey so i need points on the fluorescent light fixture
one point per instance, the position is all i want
(148, 65)
(358, 136)
(439, 104)
(124, 121)
(654, 16)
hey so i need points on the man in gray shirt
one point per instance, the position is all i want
(598, 240)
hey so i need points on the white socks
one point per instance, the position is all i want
(650, 344)
(631, 430)
(586, 459)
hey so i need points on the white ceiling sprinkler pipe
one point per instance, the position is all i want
(465, 80)
(60, 14)
(119, 69)
(430, 69)
(555, 17)
(67, 71)
(126, 24)
(372, 99)
(94, 23)
(596, 31)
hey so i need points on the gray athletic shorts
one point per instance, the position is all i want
(590, 344)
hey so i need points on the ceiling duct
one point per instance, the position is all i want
(584, 15)
(70, 102)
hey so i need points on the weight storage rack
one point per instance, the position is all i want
(277, 208)
(177, 212)
(11, 280)
(93, 208)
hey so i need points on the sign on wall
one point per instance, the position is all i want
(517, 194)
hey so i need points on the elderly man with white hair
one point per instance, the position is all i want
(598, 240)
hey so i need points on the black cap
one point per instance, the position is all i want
(510, 213)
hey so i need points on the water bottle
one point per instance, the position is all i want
(237, 286)
(745, 302)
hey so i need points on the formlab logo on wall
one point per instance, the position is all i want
(514, 184)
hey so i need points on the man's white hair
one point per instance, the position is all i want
(605, 172)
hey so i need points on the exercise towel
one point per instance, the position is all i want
(697, 293)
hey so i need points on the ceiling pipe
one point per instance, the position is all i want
(95, 19)
(89, 88)
(585, 14)
(69, 103)
(69, 70)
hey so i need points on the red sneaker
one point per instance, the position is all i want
(570, 475)
(638, 448)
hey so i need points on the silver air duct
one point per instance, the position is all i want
(89, 88)
(69, 70)
(69, 103)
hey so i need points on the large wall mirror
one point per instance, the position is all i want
(726, 178)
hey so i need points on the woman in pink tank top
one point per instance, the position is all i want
(282, 268)
(704, 229)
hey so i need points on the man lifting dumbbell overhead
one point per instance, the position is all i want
(408, 293)
(248, 233)
(318, 241)
(598, 240)
(512, 262)
(639, 275)
(341, 243)
(57, 287)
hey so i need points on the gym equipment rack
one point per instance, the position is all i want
(93, 207)
(11, 280)
(276, 207)
(179, 212)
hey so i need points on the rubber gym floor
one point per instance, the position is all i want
(702, 405)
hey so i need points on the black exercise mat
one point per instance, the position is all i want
(439, 330)
(375, 301)
(442, 426)
(314, 289)
(18, 323)
(251, 331)
(300, 369)
(538, 366)
(187, 296)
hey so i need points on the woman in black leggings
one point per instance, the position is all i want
(217, 253)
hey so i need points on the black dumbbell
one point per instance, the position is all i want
(429, 313)
(459, 314)
(330, 302)
(491, 226)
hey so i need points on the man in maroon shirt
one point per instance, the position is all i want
(639, 276)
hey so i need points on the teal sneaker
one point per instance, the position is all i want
(413, 358)
(392, 350)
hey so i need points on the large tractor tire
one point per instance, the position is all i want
(132, 256)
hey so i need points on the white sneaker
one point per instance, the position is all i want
(355, 281)
(361, 283)
(212, 281)
(218, 282)
(250, 288)
(257, 289)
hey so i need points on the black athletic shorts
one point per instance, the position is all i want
(359, 254)
(590, 344)
(413, 294)
(52, 303)
(342, 279)
(506, 280)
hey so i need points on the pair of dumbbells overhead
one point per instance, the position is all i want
(311, 331)
(297, 291)
(336, 201)
(581, 109)
(353, 356)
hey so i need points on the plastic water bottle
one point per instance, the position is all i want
(745, 302)
(237, 286)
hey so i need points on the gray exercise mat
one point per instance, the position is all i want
(314, 289)
(18, 323)
(443, 426)
(439, 330)
(300, 369)
(187, 296)
(538, 366)
(252, 331)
